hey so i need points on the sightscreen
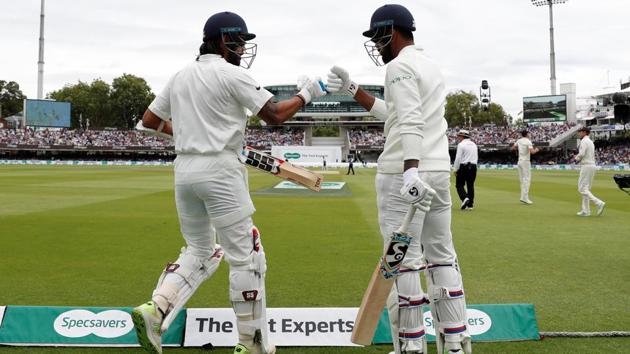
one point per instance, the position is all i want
(45, 113)
(545, 108)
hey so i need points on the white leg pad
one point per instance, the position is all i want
(405, 313)
(448, 307)
(247, 293)
(180, 280)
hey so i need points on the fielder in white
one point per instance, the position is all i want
(586, 158)
(207, 102)
(414, 168)
(525, 150)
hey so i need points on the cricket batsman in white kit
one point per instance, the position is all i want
(586, 158)
(525, 149)
(414, 169)
(204, 107)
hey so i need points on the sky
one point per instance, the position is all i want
(503, 41)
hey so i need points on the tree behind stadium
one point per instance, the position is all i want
(89, 102)
(130, 97)
(460, 106)
(11, 98)
(118, 105)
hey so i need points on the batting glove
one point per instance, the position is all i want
(339, 81)
(415, 191)
(310, 88)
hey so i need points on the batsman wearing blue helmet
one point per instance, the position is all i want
(203, 107)
(414, 168)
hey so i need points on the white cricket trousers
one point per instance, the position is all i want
(525, 177)
(587, 173)
(432, 239)
(217, 195)
(434, 229)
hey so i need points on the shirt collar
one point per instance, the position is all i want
(209, 57)
(410, 48)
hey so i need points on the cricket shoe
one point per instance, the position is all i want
(583, 213)
(600, 208)
(527, 201)
(241, 349)
(147, 321)
(464, 204)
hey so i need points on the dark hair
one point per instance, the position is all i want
(404, 32)
(210, 46)
(524, 132)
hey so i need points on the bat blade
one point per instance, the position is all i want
(299, 175)
(281, 168)
(381, 283)
(372, 305)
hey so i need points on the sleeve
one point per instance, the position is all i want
(402, 83)
(379, 109)
(246, 90)
(161, 105)
(581, 151)
(458, 157)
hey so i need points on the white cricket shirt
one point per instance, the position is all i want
(586, 153)
(524, 144)
(413, 111)
(207, 101)
(466, 153)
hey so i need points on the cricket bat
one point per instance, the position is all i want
(281, 168)
(375, 297)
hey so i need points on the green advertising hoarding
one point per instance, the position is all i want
(84, 326)
(486, 323)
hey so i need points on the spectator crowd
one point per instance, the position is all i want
(484, 135)
(260, 138)
(608, 152)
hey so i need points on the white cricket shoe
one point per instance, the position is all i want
(583, 213)
(147, 320)
(464, 204)
(600, 208)
(527, 201)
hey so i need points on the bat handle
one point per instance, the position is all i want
(408, 217)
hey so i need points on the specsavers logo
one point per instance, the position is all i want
(478, 322)
(292, 155)
(106, 324)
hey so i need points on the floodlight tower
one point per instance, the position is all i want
(40, 61)
(552, 55)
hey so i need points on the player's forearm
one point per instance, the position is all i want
(364, 99)
(152, 121)
(410, 164)
(279, 112)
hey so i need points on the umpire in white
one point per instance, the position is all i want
(586, 158)
(465, 167)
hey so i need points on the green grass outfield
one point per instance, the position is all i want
(99, 236)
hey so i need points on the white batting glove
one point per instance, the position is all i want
(339, 81)
(415, 191)
(310, 88)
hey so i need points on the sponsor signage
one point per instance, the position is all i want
(315, 154)
(333, 326)
(85, 326)
(106, 326)
(485, 323)
(324, 185)
(286, 327)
